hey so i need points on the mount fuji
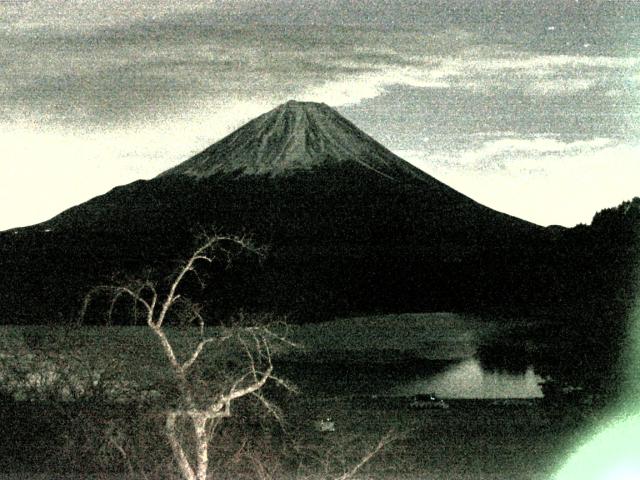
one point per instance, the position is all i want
(351, 228)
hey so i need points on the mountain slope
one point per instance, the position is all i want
(296, 148)
(294, 137)
(351, 228)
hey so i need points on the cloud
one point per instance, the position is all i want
(47, 171)
(356, 88)
(509, 152)
(124, 75)
(534, 74)
(558, 75)
(87, 15)
(543, 180)
(544, 63)
(100, 93)
(163, 66)
(562, 86)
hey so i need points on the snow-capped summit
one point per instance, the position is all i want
(295, 136)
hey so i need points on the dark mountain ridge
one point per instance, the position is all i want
(297, 150)
(351, 229)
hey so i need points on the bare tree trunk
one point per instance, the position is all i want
(178, 452)
(199, 411)
(199, 421)
(202, 446)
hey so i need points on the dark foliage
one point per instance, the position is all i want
(340, 242)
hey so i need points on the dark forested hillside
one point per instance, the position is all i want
(350, 229)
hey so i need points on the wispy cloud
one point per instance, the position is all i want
(140, 71)
(508, 153)
(122, 75)
(87, 15)
(45, 171)
(563, 86)
(356, 88)
(533, 74)
(545, 180)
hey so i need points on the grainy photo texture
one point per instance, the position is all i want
(305, 239)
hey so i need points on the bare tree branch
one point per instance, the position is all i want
(116, 444)
(116, 292)
(270, 407)
(281, 338)
(385, 440)
(196, 353)
(199, 254)
(204, 414)
(285, 384)
(112, 306)
(257, 385)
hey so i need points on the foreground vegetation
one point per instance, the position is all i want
(207, 378)
(195, 402)
(470, 440)
(89, 400)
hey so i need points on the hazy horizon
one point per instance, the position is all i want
(529, 109)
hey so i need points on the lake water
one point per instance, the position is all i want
(451, 355)
(468, 379)
(461, 379)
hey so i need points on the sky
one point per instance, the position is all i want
(531, 108)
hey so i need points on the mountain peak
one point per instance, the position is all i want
(295, 136)
(298, 105)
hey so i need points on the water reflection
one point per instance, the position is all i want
(468, 379)
(508, 357)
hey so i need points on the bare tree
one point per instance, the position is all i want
(201, 408)
(343, 458)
